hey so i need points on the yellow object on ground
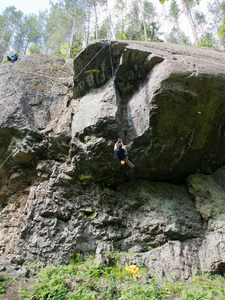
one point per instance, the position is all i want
(134, 270)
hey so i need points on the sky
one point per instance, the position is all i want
(26, 6)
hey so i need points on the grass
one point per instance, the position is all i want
(83, 280)
(205, 287)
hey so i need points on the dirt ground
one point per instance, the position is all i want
(14, 289)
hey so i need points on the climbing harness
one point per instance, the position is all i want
(35, 125)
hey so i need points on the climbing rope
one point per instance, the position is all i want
(52, 105)
(113, 74)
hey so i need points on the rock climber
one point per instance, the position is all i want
(13, 57)
(121, 153)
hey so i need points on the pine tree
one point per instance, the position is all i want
(120, 8)
(133, 30)
(175, 13)
(27, 33)
(57, 29)
(188, 4)
(13, 18)
(143, 19)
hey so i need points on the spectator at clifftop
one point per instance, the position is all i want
(13, 57)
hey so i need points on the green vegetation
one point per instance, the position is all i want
(5, 282)
(2, 287)
(86, 281)
(205, 287)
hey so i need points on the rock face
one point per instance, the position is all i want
(168, 101)
(63, 192)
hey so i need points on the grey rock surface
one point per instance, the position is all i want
(169, 101)
(63, 192)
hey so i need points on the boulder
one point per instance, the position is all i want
(62, 190)
(168, 100)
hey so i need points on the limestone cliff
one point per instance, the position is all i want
(63, 191)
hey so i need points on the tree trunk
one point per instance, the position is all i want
(37, 43)
(216, 22)
(25, 51)
(143, 20)
(188, 13)
(10, 40)
(73, 30)
(96, 21)
(107, 32)
(111, 34)
(123, 25)
(216, 25)
(4, 31)
(2, 36)
(179, 31)
(88, 26)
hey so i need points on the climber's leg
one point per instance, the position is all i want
(130, 164)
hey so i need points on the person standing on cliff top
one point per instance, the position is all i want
(121, 153)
